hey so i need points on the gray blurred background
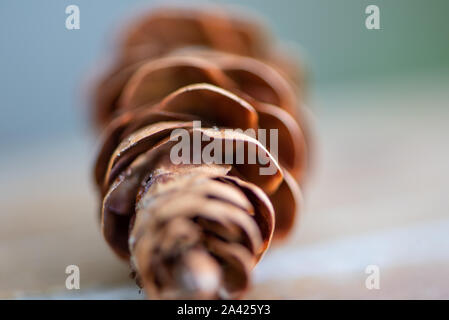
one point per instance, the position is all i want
(43, 65)
(377, 194)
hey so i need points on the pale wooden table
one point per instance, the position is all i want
(378, 196)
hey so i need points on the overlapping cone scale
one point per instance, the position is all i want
(196, 230)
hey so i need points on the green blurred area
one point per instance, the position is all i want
(336, 45)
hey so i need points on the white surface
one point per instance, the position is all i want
(378, 195)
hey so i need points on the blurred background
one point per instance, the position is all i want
(378, 194)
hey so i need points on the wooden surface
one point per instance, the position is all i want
(378, 196)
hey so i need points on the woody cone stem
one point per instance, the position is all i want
(195, 230)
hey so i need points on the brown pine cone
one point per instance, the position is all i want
(173, 31)
(196, 229)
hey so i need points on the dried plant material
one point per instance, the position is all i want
(195, 230)
(185, 31)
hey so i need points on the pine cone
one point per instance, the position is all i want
(196, 230)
